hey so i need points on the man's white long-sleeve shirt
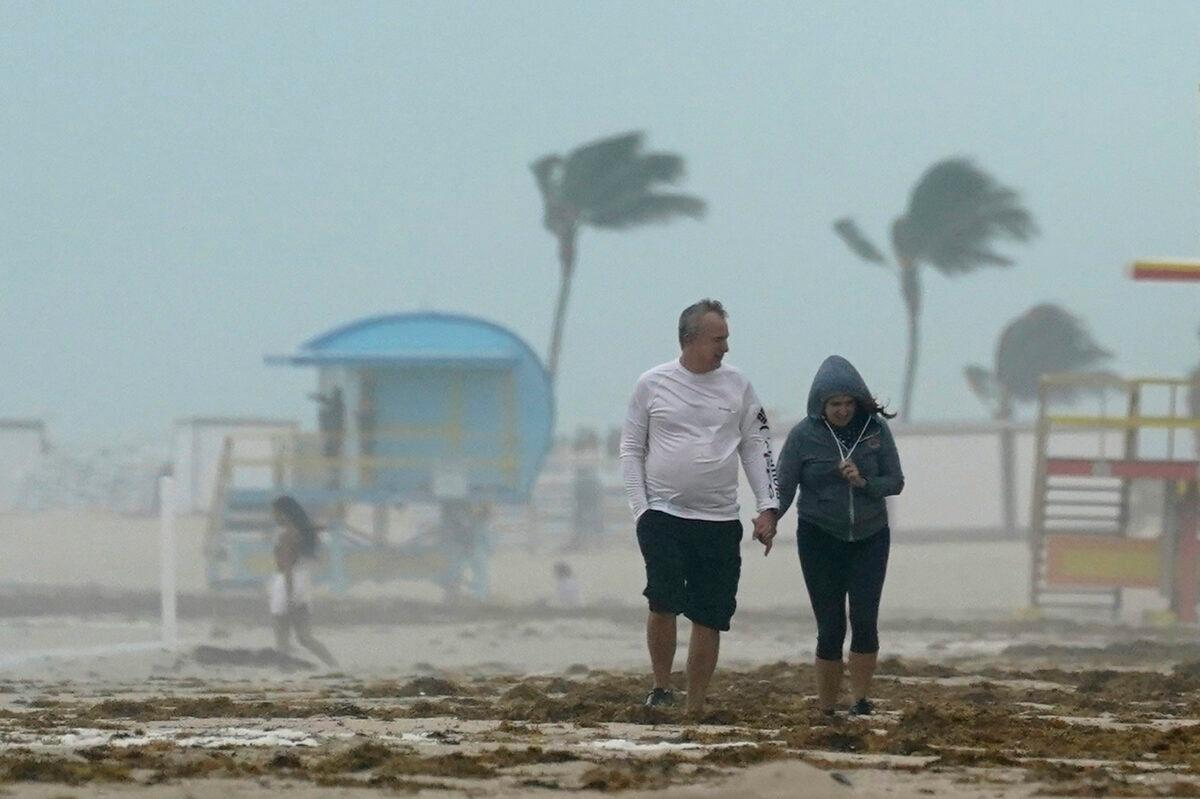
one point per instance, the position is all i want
(683, 436)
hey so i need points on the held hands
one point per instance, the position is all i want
(765, 529)
(849, 471)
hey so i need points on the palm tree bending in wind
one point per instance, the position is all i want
(1044, 340)
(955, 213)
(609, 183)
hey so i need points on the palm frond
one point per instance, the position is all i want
(1099, 382)
(955, 213)
(589, 163)
(982, 383)
(642, 209)
(611, 183)
(630, 178)
(1044, 340)
(988, 258)
(849, 232)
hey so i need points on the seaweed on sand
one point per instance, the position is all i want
(27, 767)
(742, 756)
(624, 775)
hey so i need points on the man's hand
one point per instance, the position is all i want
(765, 527)
(849, 471)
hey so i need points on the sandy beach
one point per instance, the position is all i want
(978, 717)
(518, 698)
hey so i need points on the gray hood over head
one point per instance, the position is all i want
(836, 376)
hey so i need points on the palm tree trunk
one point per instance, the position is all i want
(566, 262)
(910, 287)
(1008, 467)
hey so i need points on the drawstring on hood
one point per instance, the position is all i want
(845, 453)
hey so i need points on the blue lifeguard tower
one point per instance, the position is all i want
(413, 407)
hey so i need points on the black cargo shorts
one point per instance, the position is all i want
(692, 566)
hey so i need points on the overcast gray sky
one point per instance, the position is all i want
(185, 187)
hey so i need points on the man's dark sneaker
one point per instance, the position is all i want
(660, 697)
(862, 707)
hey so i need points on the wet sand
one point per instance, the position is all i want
(1011, 709)
(520, 699)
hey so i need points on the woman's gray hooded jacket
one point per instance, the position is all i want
(810, 457)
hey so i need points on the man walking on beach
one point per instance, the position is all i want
(689, 422)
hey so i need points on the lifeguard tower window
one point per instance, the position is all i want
(432, 421)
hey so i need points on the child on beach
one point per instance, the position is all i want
(292, 584)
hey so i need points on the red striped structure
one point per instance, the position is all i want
(1124, 469)
(1175, 270)
(1098, 553)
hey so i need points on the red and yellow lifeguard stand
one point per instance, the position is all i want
(1084, 552)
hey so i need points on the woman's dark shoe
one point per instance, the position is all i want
(862, 707)
(660, 697)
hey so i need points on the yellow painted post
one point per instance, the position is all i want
(1132, 409)
(1037, 521)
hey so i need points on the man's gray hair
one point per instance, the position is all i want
(689, 320)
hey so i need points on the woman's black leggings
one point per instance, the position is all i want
(834, 569)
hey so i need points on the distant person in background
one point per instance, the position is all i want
(612, 445)
(483, 544)
(331, 425)
(587, 517)
(292, 585)
(465, 533)
(843, 459)
(331, 420)
(690, 421)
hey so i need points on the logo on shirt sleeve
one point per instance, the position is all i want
(768, 457)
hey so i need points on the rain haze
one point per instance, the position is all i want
(299, 404)
(188, 188)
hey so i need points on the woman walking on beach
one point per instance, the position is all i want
(292, 584)
(843, 459)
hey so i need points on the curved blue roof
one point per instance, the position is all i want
(419, 336)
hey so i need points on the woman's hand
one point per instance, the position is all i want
(849, 471)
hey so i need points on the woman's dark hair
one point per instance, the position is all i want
(875, 407)
(297, 517)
